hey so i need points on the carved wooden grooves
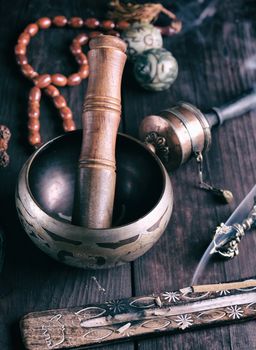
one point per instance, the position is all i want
(95, 190)
(118, 320)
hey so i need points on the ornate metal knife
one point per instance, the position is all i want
(124, 319)
(228, 236)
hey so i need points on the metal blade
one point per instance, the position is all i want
(228, 235)
(243, 209)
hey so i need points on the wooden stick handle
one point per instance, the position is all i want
(95, 190)
(131, 318)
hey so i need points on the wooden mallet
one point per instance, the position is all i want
(95, 189)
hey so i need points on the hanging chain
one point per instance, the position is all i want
(223, 195)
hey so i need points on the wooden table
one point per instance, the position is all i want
(216, 53)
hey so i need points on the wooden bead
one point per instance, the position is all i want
(32, 29)
(84, 71)
(24, 38)
(34, 138)
(82, 39)
(44, 22)
(28, 71)
(113, 33)
(60, 21)
(51, 91)
(21, 59)
(91, 23)
(20, 49)
(107, 24)
(66, 113)
(69, 125)
(3, 145)
(81, 59)
(35, 94)
(33, 112)
(33, 124)
(122, 25)
(74, 79)
(43, 80)
(76, 22)
(59, 101)
(59, 79)
(34, 104)
(94, 34)
(75, 48)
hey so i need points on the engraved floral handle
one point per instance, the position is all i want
(118, 320)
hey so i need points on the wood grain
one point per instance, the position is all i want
(96, 179)
(211, 60)
(216, 58)
(132, 318)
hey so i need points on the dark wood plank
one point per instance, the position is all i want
(215, 56)
(31, 280)
(213, 59)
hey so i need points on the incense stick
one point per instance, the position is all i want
(130, 318)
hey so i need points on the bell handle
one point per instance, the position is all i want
(233, 109)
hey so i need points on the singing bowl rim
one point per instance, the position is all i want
(92, 248)
(165, 177)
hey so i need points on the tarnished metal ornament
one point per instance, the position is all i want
(156, 69)
(140, 37)
(5, 136)
(228, 236)
(226, 240)
(45, 194)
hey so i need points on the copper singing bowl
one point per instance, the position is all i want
(143, 204)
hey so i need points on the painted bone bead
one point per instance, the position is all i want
(141, 37)
(155, 69)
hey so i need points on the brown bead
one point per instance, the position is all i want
(34, 138)
(91, 23)
(21, 59)
(3, 145)
(75, 48)
(33, 124)
(24, 38)
(44, 22)
(74, 79)
(28, 71)
(84, 71)
(113, 33)
(20, 49)
(43, 80)
(122, 25)
(94, 34)
(76, 22)
(35, 94)
(81, 58)
(60, 21)
(82, 39)
(66, 113)
(69, 125)
(34, 104)
(32, 29)
(51, 91)
(59, 79)
(59, 101)
(33, 112)
(107, 24)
